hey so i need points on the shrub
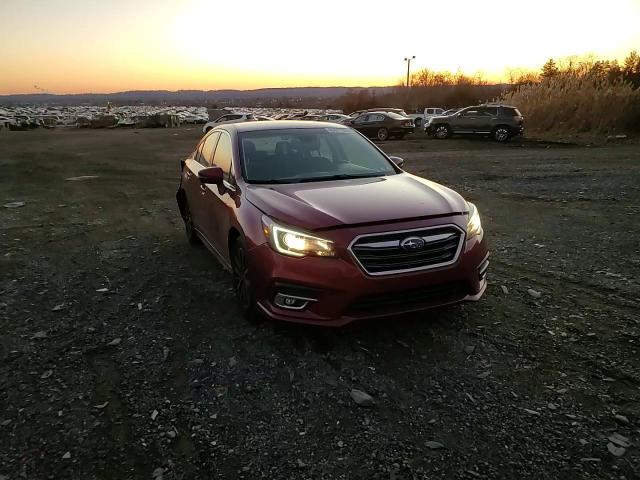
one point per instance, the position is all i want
(582, 97)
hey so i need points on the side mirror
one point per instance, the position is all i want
(398, 161)
(211, 175)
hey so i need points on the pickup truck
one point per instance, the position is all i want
(419, 119)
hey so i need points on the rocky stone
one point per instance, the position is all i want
(14, 204)
(534, 293)
(621, 419)
(615, 450)
(433, 445)
(619, 440)
(361, 398)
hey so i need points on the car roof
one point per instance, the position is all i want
(279, 125)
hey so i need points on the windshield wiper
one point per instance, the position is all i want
(273, 180)
(341, 176)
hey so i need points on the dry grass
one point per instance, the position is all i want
(577, 102)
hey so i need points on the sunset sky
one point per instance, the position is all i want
(73, 46)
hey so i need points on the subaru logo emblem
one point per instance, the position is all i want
(412, 243)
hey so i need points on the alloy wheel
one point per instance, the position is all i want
(383, 134)
(241, 285)
(501, 134)
(442, 132)
(189, 228)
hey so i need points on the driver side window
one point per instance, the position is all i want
(209, 145)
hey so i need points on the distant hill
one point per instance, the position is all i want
(266, 96)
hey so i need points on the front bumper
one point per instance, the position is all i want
(342, 292)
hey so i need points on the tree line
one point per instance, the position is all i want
(456, 89)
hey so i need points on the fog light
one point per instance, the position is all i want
(292, 302)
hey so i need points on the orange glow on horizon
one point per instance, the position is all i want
(77, 46)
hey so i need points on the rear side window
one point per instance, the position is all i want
(488, 111)
(510, 112)
(222, 157)
(378, 118)
(209, 145)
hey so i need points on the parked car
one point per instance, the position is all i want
(318, 225)
(451, 111)
(311, 117)
(399, 111)
(335, 118)
(382, 125)
(501, 122)
(420, 119)
(229, 118)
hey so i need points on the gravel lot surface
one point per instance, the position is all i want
(122, 354)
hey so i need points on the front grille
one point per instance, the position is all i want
(407, 300)
(384, 253)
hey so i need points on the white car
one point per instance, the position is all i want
(229, 118)
(420, 119)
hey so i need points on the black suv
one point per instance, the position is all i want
(500, 121)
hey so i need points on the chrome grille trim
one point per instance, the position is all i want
(396, 244)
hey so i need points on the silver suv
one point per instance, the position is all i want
(501, 122)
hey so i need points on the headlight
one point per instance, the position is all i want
(295, 243)
(474, 227)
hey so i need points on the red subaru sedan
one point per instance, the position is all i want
(317, 225)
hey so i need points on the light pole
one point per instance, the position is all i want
(408, 60)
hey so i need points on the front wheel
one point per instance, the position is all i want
(418, 122)
(501, 134)
(241, 283)
(383, 134)
(189, 227)
(442, 131)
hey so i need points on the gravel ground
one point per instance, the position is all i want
(122, 354)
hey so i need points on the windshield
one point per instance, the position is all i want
(309, 155)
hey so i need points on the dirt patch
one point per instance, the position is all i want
(512, 386)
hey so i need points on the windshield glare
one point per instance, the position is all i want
(303, 155)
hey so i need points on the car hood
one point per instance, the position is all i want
(440, 117)
(321, 205)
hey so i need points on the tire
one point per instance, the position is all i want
(417, 122)
(501, 133)
(382, 134)
(241, 283)
(189, 228)
(442, 132)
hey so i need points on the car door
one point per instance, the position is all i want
(374, 123)
(465, 120)
(192, 186)
(360, 123)
(219, 200)
(487, 119)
